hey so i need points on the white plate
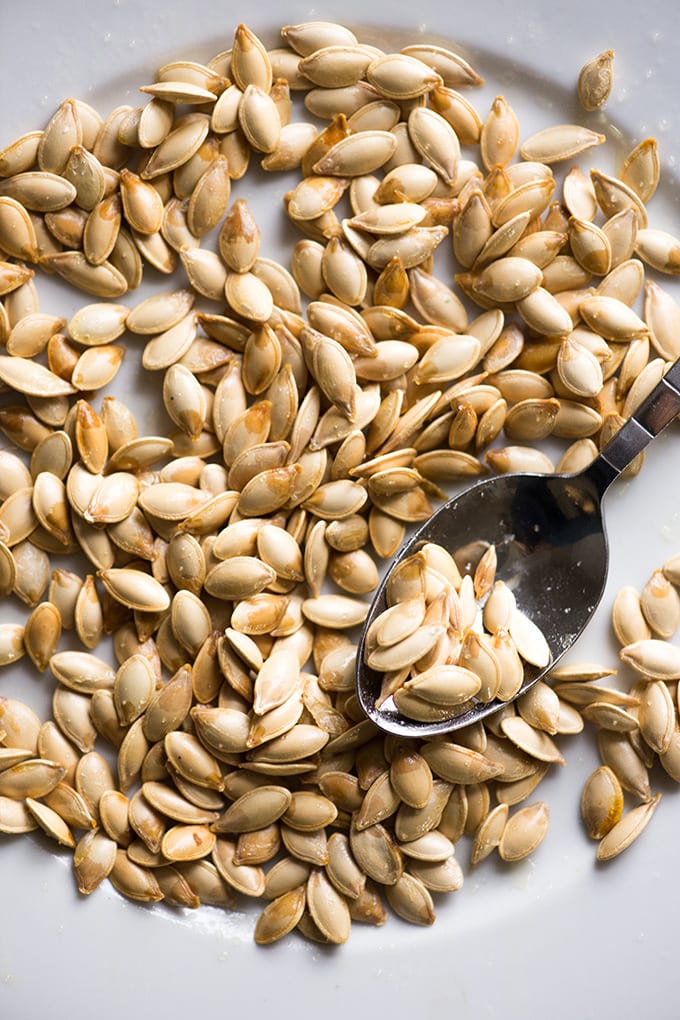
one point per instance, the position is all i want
(555, 936)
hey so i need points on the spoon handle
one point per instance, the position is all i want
(647, 421)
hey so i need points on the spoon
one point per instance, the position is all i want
(552, 551)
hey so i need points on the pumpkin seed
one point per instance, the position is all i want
(595, 81)
(626, 830)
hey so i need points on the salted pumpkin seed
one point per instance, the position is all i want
(51, 823)
(565, 141)
(499, 135)
(626, 830)
(653, 658)
(93, 860)
(15, 817)
(595, 81)
(656, 716)
(33, 778)
(436, 141)
(617, 751)
(524, 831)
(280, 916)
(489, 834)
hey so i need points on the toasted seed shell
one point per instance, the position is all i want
(489, 834)
(565, 141)
(626, 830)
(255, 810)
(653, 658)
(189, 842)
(15, 817)
(31, 378)
(192, 761)
(660, 605)
(93, 860)
(169, 707)
(11, 642)
(533, 742)
(595, 81)
(530, 642)
(499, 134)
(35, 778)
(328, 908)
(280, 916)
(524, 830)
(601, 802)
(617, 751)
(41, 634)
(657, 716)
(436, 142)
(457, 764)
(133, 688)
(134, 881)
(135, 589)
(376, 854)
(82, 671)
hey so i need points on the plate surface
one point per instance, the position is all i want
(554, 936)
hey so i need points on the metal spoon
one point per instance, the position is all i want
(551, 544)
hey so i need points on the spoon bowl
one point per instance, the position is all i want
(551, 544)
(552, 552)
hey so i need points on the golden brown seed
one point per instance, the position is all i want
(280, 916)
(602, 802)
(565, 141)
(656, 659)
(376, 854)
(499, 135)
(524, 831)
(142, 204)
(613, 196)
(660, 605)
(135, 589)
(457, 764)
(595, 81)
(35, 777)
(641, 169)
(659, 249)
(93, 860)
(657, 716)
(489, 834)
(627, 829)
(97, 366)
(91, 438)
(51, 823)
(41, 634)
(328, 908)
(17, 232)
(192, 762)
(187, 842)
(134, 881)
(436, 141)
(31, 378)
(21, 154)
(169, 707)
(11, 642)
(617, 751)
(133, 688)
(82, 671)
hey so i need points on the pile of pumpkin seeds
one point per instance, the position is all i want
(315, 413)
(638, 728)
(448, 639)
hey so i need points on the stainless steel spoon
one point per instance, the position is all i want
(552, 550)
